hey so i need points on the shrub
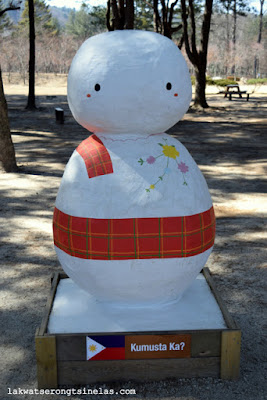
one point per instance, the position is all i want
(210, 81)
(255, 81)
(224, 82)
(218, 82)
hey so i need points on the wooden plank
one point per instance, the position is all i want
(230, 354)
(49, 304)
(45, 347)
(87, 372)
(203, 344)
(206, 344)
(71, 348)
(231, 324)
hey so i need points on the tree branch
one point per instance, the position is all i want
(185, 34)
(177, 28)
(11, 7)
(181, 42)
(193, 27)
(156, 17)
(205, 30)
(172, 10)
(164, 12)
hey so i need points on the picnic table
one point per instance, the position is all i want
(234, 89)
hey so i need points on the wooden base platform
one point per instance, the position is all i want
(64, 358)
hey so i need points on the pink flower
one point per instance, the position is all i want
(183, 167)
(150, 160)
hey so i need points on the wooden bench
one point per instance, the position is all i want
(233, 90)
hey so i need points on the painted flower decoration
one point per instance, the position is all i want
(169, 151)
(167, 171)
(183, 167)
(150, 160)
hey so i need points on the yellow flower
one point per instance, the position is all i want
(170, 151)
(152, 186)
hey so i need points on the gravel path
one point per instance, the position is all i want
(227, 142)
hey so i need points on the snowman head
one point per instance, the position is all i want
(128, 82)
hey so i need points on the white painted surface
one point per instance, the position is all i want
(129, 113)
(134, 282)
(75, 311)
(123, 193)
(132, 68)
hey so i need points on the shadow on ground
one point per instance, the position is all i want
(228, 143)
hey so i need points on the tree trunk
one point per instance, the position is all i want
(256, 68)
(200, 88)
(7, 152)
(121, 14)
(227, 43)
(163, 20)
(156, 17)
(197, 57)
(129, 14)
(261, 21)
(31, 97)
(256, 59)
(233, 69)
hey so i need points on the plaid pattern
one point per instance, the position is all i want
(117, 239)
(96, 157)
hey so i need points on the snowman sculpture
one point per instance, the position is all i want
(133, 222)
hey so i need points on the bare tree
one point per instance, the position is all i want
(197, 57)
(261, 20)
(120, 14)
(163, 19)
(7, 152)
(256, 60)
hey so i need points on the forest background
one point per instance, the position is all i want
(237, 43)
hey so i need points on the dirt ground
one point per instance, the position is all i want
(228, 141)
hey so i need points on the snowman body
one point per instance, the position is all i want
(133, 221)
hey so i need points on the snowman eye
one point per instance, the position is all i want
(168, 86)
(97, 87)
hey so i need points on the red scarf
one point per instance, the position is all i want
(96, 157)
(133, 238)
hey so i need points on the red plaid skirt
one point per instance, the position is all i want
(96, 157)
(132, 238)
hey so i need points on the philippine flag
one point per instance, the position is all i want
(105, 347)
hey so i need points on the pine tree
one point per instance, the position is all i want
(79, 23)
(86, 22)
(42, 16)
(143, 15)
(98, 19)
